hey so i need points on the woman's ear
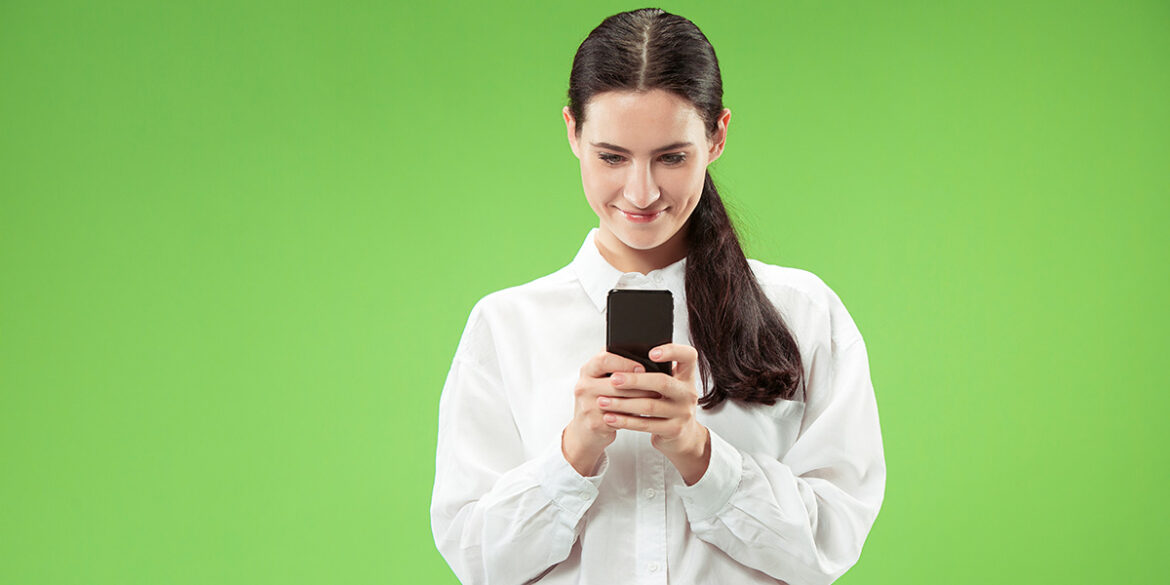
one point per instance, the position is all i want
(720, 139)
(571, 129)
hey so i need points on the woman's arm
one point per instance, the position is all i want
(802, 519)
(498, 513)
(497, 517)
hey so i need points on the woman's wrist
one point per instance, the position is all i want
(692, 461)
(582, 460)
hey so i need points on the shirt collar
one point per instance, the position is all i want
(598, 276)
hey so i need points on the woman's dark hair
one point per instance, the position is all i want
(744, 347)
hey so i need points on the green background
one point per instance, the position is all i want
(239, 242)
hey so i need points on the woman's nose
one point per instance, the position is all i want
(641, 190)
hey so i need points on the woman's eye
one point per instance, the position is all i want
(670, 159)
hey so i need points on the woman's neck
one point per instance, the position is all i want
(627, 259)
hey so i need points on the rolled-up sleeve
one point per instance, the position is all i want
(803, 518)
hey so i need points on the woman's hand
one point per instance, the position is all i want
(587, 435)
(669, 417)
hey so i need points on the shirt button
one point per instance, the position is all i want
(584, 495)
(649, 493)
(653, 567)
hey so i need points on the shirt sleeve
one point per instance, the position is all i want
(802, 519)
(497, 516)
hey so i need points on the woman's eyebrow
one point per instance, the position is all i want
(609, 146)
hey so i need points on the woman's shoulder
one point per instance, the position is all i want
(804, 296)
(542, 300)
(504, 311)
(797, 283)
(549, 290)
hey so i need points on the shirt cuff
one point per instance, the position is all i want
(564, 486)
(713, 491)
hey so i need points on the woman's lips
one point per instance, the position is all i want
(642, 217)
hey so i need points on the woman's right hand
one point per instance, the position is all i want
(586, 436)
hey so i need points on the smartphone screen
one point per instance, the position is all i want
(638, 321)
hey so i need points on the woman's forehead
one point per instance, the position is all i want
(641, 120)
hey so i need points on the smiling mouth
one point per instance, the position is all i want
(641, 217)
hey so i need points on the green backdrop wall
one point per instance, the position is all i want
(239, 241)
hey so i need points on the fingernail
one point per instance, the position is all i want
(603, 401)
(656, 353)
(618, 379)
(639, 369)
(610, 418)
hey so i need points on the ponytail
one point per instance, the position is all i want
(744, 347)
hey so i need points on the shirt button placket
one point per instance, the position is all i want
(651, 512)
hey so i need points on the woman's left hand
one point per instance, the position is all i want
(670, 420)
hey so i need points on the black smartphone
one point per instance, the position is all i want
(637, 321)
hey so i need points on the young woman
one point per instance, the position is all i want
(758, 461)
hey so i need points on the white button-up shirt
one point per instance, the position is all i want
(789, 495)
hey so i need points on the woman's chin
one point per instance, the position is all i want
(639, 237)
(641, 241)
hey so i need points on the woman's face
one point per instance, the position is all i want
(643, 159)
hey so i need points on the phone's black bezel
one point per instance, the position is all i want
(648, 343)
